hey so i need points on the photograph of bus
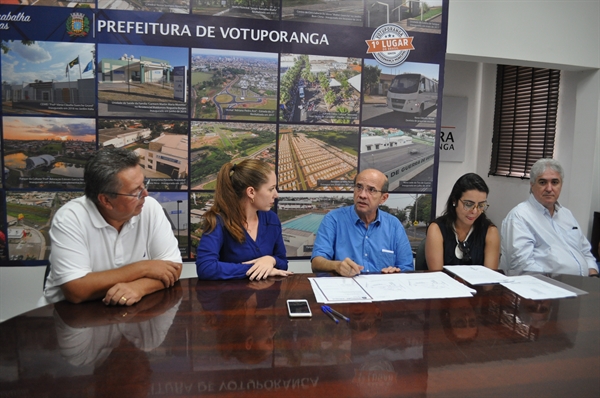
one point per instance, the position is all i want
(412, 93)
(401, 97)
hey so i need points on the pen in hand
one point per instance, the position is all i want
(329, 314)
(334, 312)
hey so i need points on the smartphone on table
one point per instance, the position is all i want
(298, 308)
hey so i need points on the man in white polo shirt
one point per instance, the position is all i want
(114, 243)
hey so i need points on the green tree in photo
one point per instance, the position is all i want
(371, 77)
(423, 213)
(330, 98)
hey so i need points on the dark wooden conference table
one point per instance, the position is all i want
(235, 339)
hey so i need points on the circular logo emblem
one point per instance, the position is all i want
(388, 35)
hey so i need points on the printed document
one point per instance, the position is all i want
(476, 274)
(529, 287)
(385, 287)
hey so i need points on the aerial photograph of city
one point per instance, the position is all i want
(319, 89)
(234, 85)
(29, 215)
(216, 143)
(317, 158)
(48, 152)
(162, 146)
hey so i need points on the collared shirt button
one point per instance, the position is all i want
(366, 255)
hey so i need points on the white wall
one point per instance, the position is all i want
(562, 33)
(20, 289)
(552, 33)
(528, 33)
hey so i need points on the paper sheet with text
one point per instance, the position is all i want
(386, 287)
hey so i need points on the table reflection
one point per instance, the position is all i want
(239, 317)
(88, 334)
(113, 341)
(459, 320)
(229, 338)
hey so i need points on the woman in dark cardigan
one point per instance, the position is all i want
(463, 235)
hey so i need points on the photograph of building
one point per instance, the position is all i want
(161, 145)
(405, 156)
(48, 78)
(136, 81)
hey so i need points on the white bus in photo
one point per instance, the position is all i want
(412, 93)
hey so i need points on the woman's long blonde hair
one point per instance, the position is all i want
(232, 181)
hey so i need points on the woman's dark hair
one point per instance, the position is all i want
(232, 181)
(100, 171)
(467, 182)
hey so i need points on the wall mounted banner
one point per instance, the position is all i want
(319, 89)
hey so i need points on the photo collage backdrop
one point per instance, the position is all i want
(319, 89)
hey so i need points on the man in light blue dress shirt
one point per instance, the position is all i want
(540, 235)
(362, 238)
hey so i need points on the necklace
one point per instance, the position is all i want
(461, 245)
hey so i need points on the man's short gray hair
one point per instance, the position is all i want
(540, 167)
(100, 172)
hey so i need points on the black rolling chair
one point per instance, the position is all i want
(420, 262)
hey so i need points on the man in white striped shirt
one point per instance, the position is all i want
(540, 235)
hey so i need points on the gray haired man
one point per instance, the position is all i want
(540, 235)
(115, 242)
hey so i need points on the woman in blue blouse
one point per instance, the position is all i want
(242, 237)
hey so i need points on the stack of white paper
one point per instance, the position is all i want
(533, 288)
(476, 274)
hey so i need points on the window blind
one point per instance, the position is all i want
(524, 119)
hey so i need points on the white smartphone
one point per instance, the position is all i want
(298, 308)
